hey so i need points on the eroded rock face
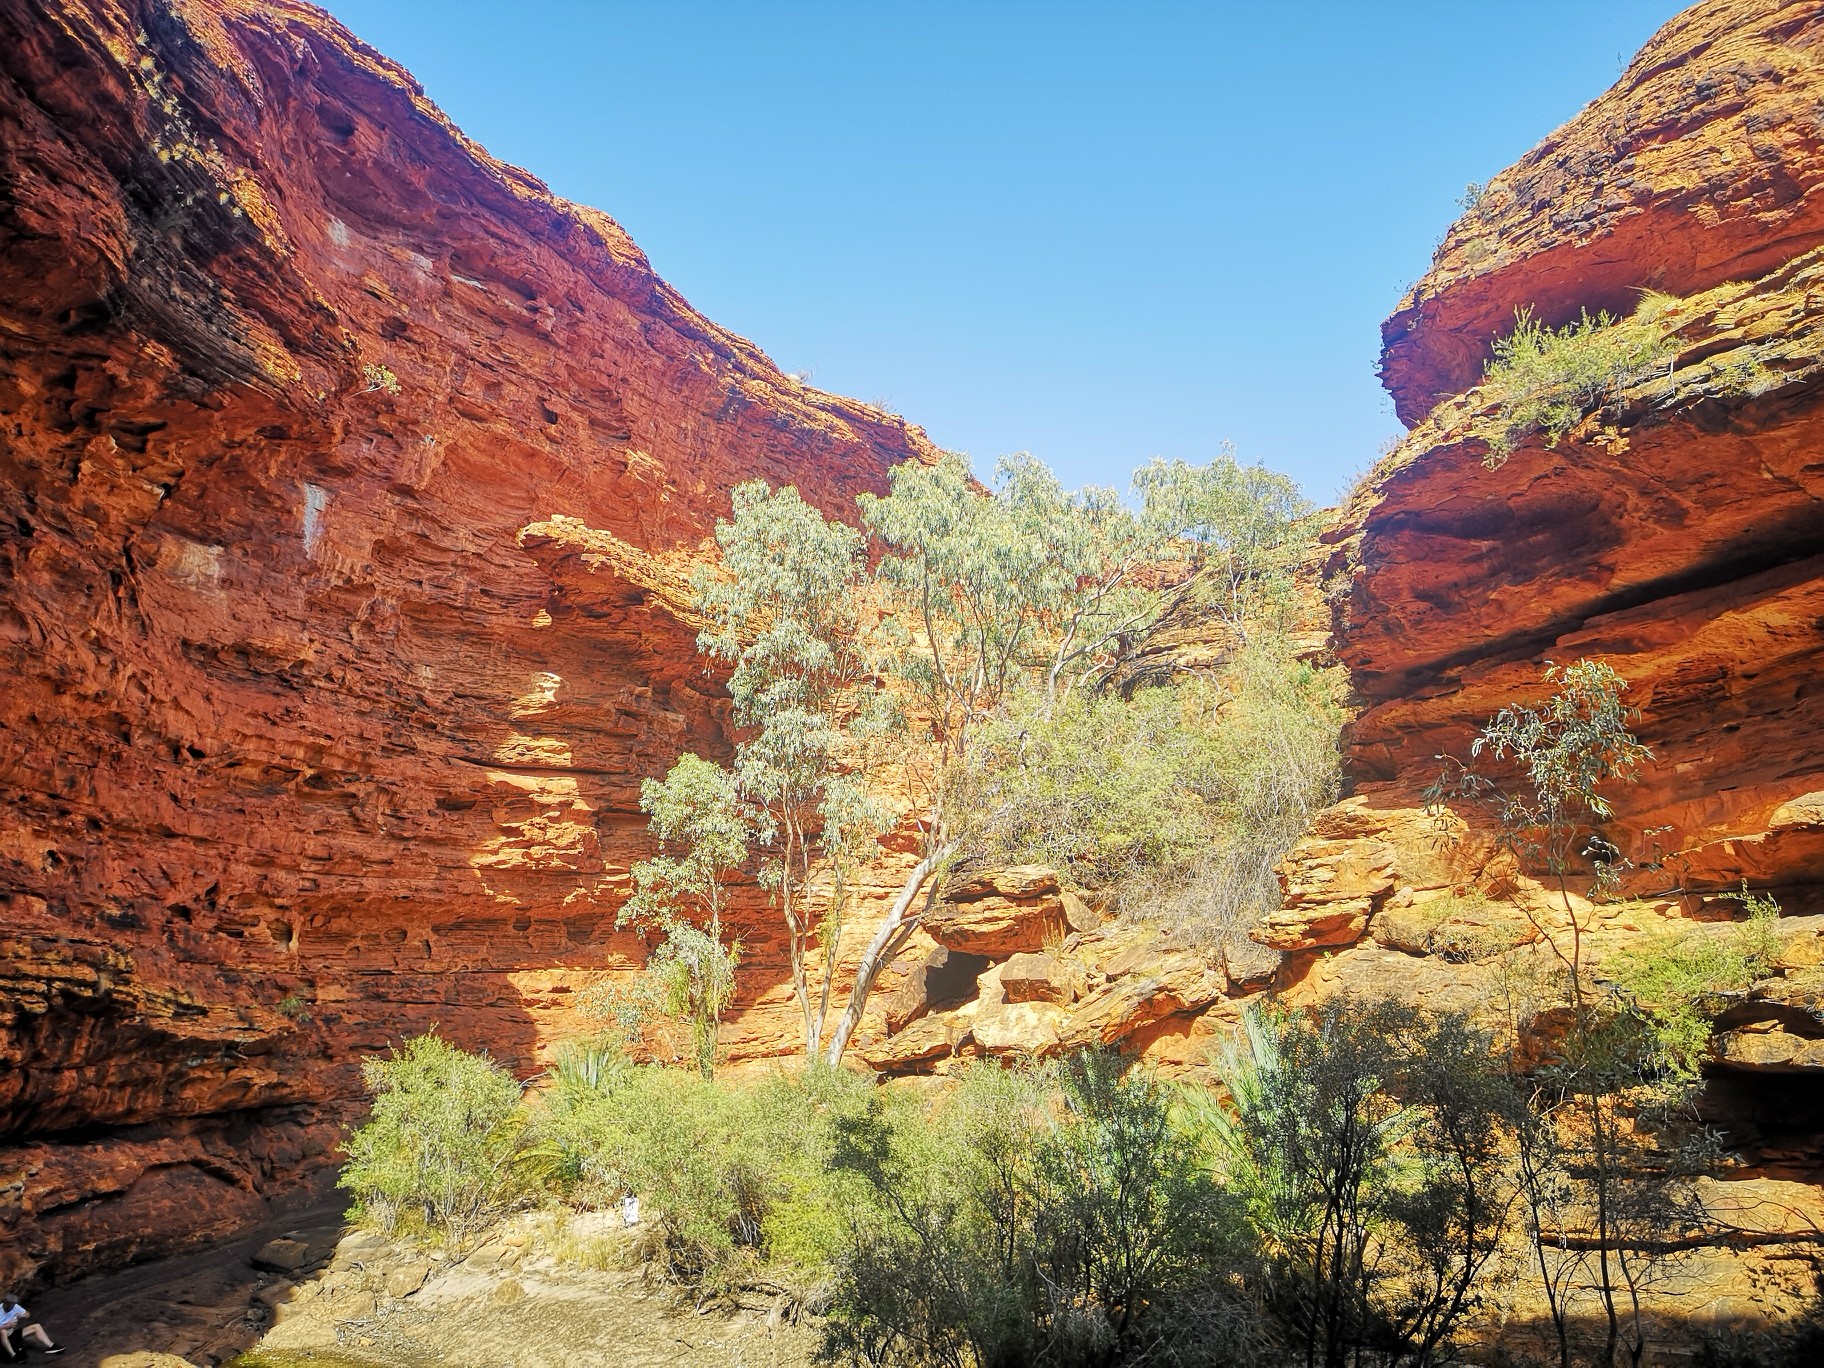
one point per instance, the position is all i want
(1700, 165)
(1001, 912)
(1677, 534)
(350, 480)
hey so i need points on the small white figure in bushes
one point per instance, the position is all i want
(630, 1210)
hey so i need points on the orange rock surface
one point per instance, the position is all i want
(1700, 165)
(1679, 533)
(317, 419)
(353, 485)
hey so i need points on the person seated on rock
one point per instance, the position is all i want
(18, 1331)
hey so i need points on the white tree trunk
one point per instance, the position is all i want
(899, 924)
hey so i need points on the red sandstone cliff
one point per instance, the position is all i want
(327, 705)
(303, 745)
(1679, 535)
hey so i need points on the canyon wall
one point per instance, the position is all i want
(1678, 533)
(353, 484)
(349, 486)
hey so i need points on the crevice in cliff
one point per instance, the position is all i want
(1794, 544)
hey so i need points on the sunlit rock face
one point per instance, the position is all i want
(351, 481)
(1700, 165)
(1680, 534)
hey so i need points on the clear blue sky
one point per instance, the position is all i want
(1098, 232)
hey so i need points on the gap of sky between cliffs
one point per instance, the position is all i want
(1097, 232)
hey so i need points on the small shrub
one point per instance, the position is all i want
(437, 1153)
(1547, 379)
(1681, 980)
(733, 1183)
(1742, 373)
(379, 379)
(571, 1125)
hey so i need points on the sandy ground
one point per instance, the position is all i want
(542, 1292)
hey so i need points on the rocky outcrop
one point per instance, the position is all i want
(354, 485)
(1676, 532)
(1700, 165)
(999, 912)
(1679, 531)
(350, 480)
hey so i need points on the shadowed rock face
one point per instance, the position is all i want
(304, 746)
(1680, 533)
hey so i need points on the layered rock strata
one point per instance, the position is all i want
(1678, 532)
(314, 417)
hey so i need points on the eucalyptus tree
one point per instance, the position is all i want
(785, 612)
(1566, 750)
(1018, 597)
(697, 815)
(989, 594)
(983, 605)
(1610, 1137)
(1234, 524)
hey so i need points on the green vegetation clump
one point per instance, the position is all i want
(976, 649)
(1065, 1216)
(1547, 380)
(437, 1153)
(1221, 769)
(681, 893)
(1078, 1212)
(1681, 980)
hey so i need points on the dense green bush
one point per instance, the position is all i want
(1056, 1217)
(1678, 982)
(1219, 777)
(1366, 1141)
(1342, 1200)
(438, 1152)
(734, 1181)
(1547, 379)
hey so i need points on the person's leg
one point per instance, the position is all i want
(38, 1337)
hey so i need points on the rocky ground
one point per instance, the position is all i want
(543, 1291)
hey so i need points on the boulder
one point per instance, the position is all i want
(1168, 985)
(1000, 912)
(1019, 882)
(923, 1042)
(274, 1295)
(283, 1255)
(1018, 1028)
(1029, 977)
(1770, 1049)
(406, 1278)
(1323, 927)
(1079, 914)
(997, 927)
